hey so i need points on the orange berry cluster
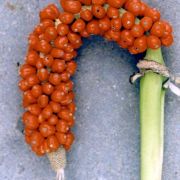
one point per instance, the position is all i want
(106, 18)
(47, 88)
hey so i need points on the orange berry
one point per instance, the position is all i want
(33, 41)
(46, 23)
(68, 98)
(69, 85)
(122, 44)
(48, 60)
(72, 107)
(63, 29)
(36, 90)
(57, 96)
(70, 56)
(86, 15)
(44, 47)
(34, 109)
(73, 38)
(65, 114)
(112, 12)
(51, 33)
(93, 27)
(98, 11)
(62, 138)
(153, 13)
(140, 44)
(146, 23)
(116, 3)
(137, 30)
(46, 129)
(66, 17)
(39, 63)
(41, 118)
(58, 66)
(53, 120)
(54, 9)
(128, 20)
(47, 112)
(78, 26)
(32, 80)
(115, 35)
(61, 42)
(127, 38)
(40, 150)
(47, 88)
(69, 48)
(32, 58)
(30, 121)
(134, 7)
(23, 85)
(62, 126)
(42, 74)
(43, 101)
(28, 98)
(133, 50)
(55, 79)
(167, 40)
(65, 76)
(71, 67)
(46, 147)
(36, 139)
(71, 6)
(56, 107)
(144, 7)
(153, 42)
(158, 29)
(26, 70)
(28, 132)
(50, 12)
(167, 28)
(116, 24)
(57, 53)
(84, 33)
(53, 143)
(69, 141)
(105, 24)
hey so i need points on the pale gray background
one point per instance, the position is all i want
(107, 122)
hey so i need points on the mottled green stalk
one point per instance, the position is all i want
(152, 121)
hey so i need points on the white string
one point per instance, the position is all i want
(60, 174)
(172, 87)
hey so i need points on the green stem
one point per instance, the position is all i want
(152, 121)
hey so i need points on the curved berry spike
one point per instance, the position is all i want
(48, 95)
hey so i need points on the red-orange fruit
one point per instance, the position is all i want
(71, 6)
(57, 96)
(53, 143)
(62, 126)
(36, 139)
(56, 107)
(46, 129)
(30, 121)
(26, 70)
(62, 138)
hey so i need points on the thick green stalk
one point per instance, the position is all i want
(152, 121)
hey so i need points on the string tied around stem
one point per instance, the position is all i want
(146, 66)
